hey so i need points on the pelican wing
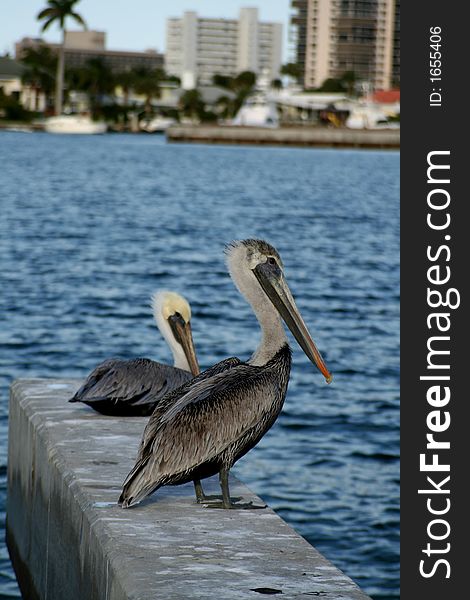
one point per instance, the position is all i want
(94, 378)
(129, 386)
(205, 419)
(169, 400)
(185, 437)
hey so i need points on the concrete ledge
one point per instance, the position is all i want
(287, 136)
(68, 538)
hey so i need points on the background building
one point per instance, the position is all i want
(333, 37)
(396, 47)
(10, 77)
(198, 48)
(298, 34)
(11, 73)
(81, 46)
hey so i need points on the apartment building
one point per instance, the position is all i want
(336, 36)
(298, 34)
(199, 48)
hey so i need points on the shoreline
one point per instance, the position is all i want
(319, 137)
(287, 136)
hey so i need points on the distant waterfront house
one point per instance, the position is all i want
(10, 77)
(171, 93)
(11, 85)
(11, 72)
(297, 107)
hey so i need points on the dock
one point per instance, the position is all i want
(287, 136)
(67, 537)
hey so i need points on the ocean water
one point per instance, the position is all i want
(91, 226)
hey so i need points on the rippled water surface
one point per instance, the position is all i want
(91, 226)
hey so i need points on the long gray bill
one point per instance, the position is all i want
(275, 286)
(183, 335)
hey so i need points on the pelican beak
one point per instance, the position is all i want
(183, 335)
(275, 286)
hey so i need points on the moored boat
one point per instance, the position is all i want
(74, 124)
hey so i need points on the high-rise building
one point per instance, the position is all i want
(396, 47)
(298, 34)
(337, 36)
(199, 48)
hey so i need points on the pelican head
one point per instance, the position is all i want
(173, 317)
(257, 270)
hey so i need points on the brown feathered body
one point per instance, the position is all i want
(208, 424)
(205, 426)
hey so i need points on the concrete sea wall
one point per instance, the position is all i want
(69, 540)
(287, 136)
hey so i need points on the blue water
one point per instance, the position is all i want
(91, 226)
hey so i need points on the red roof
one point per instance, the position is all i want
(386, 96)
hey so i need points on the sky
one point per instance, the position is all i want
(129, 24)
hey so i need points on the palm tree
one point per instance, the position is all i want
(148, 84)
(59, 11)
(225, 106)
(292, 70)
(192, 104)
(96, 79)
(40, 64)
(127, 81)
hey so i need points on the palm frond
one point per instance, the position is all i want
(79, 19)
(58, 11)
(47, 23)
(46, 13)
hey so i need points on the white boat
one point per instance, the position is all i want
(74, 124)
(156, 125)
(369, 115)
(257, 111)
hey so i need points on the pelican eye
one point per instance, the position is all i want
(271, 260)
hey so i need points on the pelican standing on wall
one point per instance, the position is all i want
(205, 426)
(133, 387)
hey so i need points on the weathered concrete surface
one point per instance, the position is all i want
(69, 540)
(290, 136)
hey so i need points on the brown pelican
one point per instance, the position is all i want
(206, 425)
(133, 387)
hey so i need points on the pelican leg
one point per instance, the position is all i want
(226, 500)
(201, 497)
(223, 477)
